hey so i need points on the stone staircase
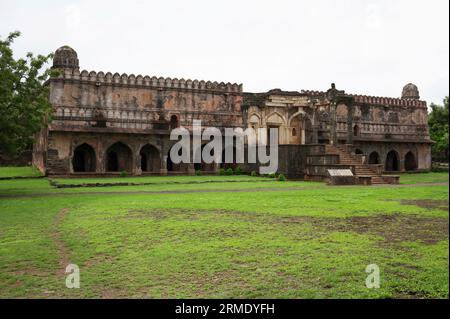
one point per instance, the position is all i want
(365, 173)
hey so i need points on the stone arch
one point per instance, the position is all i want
(302, 113)
(275, 118)
(301, 128)
(119, 157)
(83, 159)
(254, 119)
(410, 161)
(150, 158)
(392, 161)
(374, 158)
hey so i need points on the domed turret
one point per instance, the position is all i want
(410, 91)
(65, 57)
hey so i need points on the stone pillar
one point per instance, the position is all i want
(315, 134)
(137, 164)
(163, 169)
(191, 168)
(350, 123)
(333, 128)
(100, 152)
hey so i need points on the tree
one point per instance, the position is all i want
(438, 123)
(24, 103)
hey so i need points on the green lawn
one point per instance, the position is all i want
(245, 239)
(12, 171)
(424, 178)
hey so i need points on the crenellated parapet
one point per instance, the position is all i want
(375, 100)
(116, 79)
(387, 101)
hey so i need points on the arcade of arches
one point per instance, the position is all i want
(147, 158)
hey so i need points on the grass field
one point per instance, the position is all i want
(14, 171)
(250, 238)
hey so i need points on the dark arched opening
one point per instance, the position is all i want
(173, 122)
(410, 162)
(150, 159)
(118, 158)
(374, 158)
(356, 130)
(83, 159)
(391, 164)
(294, 132)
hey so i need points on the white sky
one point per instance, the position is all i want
(371, 47)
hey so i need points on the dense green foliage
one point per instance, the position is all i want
(24, 104)
(438, 123)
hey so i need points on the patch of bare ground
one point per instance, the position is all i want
(427, 203)
(99, 259)
(63, 253)
(392, 228)
(395, 228)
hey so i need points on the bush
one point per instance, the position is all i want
(253, 173)
(271, 175)
(123, 174)
(281, 178)
(222, 171)
(229, 171)
(238, 171)
(198, 172)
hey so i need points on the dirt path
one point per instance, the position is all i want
(248, 190)
(63, 253)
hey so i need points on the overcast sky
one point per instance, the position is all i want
(371, 47)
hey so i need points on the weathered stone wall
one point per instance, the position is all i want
(97, 111)
(142, 103)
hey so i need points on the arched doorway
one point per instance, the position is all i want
(356, 130)
(150, 159)
(119, 158)
(83, 159)
(374, 158)
(301, 130)
(391, 164)
(410, 162)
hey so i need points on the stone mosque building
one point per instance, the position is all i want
(106, 123)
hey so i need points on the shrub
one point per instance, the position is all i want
(281, 178)
(222, 171)
(238, 171)
(198, 172)
(253, 173)
(123, 174)
(229, 171)
(271, 175)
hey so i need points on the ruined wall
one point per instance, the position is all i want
(61, 146)
(142, 103)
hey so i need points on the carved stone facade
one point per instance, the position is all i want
(105, 122)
